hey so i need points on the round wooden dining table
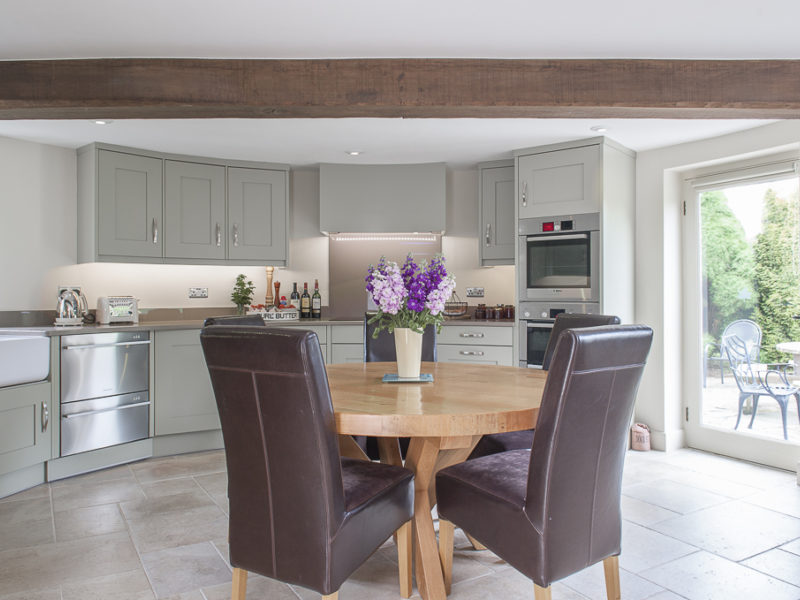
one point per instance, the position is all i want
(444, 419)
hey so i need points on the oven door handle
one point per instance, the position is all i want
(104, 410)
(534, 325)
(556, 236)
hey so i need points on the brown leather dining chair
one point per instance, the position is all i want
(234, 320)
(555, 509)
(299, 512)
(517, 440)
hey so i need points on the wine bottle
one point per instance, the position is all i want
(316, 302)
(305, 303)
(294, 299)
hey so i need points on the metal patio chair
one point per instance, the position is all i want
(746, 330)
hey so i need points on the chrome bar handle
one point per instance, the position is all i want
(524, 193)
(235, 234)
(90, 346)
(45, 417)
(105, 410)
(155, 230)
(488, 234)
(219, 236)
(471, 335)
(471, 352)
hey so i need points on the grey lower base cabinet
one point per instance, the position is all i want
(183, 396)
(476, 344)
(25, 421)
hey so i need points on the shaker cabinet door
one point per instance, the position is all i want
(194, 211)
(257, 205)
(498, 232)
(130, 200)
(562, 182)
(26, 420)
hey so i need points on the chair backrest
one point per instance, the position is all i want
(579, 444)
(738, 352)
(748, 332)
(566, 321)
(284, 472)
(381, 349)
(234, 320)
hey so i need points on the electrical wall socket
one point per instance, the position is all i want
(474, 292)
(198, 292)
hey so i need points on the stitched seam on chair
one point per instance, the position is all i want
(603, 369)
(273, 536)
(597, 465)
(263, 372)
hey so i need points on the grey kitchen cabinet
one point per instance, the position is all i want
(488, 345)
(25, 423)
(498, 234)
(183, 396)
(194, 210)
(559, 182)
(257, 214)
(129, 205)
(347, 344)
(151, 207)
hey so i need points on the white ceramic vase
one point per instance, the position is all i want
(408, 345)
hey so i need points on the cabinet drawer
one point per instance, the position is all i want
(347, 334)
(482, 336)
(347, 353)
(484, 355)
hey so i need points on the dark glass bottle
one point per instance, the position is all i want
(316, 302)
(294, 299)
(305, 303)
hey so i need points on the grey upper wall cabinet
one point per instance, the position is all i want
(382, 198)
(194, 210)
(498, 232)
(150, 207)
(256, 214)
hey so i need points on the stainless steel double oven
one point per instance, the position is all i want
(559, 271)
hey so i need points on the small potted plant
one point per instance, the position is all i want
(242, 295)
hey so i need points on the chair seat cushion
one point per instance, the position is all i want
(503, 442)
(364, 480)
(502, 477)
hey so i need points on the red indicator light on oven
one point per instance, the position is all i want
(549, 226)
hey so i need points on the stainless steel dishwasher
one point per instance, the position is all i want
(104, 390)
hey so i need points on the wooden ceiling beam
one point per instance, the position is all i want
(418, 88)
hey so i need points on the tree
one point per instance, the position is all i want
(727, 265)
(777, 273)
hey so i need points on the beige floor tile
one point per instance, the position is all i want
(224, 549)
(110, 474)
(784, 499)
(25, 510)
(222, 501)
(43, 567)
(507, 585)
(591, 583)
(132, 585)
(793, 547)
(21, 534)
(644, 513)
(673, 496)
(160, 505)
(168, 487)
(185, 568)
(93, 494)
(178, 528)
(40, 491)
(258, 588)
(88, 521)
(643, 548)
(51, 594)
(179, 466)
(777, 563)
(704, 576)
(736, 530)
(214, 483)
(376, 579)
(193, 595)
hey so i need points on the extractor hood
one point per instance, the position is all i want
(382, 198)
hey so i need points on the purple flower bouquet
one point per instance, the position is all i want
(412, 296)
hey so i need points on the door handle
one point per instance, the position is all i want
(488, 234)
(155, 230)
(524, 193)
(471, 335)
(471, 352)
(45, 417)
(235, 234)
(219, 236)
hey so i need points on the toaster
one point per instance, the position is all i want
(117, 309)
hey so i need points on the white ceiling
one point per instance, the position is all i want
(724, 29)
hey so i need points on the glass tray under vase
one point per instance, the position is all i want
(394, 378)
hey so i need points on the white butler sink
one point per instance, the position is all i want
(24, 357)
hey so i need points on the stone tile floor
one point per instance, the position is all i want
(697, 526)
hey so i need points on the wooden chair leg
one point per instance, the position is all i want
(611, 568)
(540, 593)
(475, 543)
(332, 596)
(446, 530)
(239, 590)
(404, 546)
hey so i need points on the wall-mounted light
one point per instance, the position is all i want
(384, 237)
(599, 128)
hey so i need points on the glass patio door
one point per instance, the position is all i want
(742, 313)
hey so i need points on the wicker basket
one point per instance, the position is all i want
(454, 307)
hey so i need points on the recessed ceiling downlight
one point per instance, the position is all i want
(354, 152)
(102, 122)
(599, 128)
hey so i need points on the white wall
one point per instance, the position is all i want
(658, 272)
(38, 248)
